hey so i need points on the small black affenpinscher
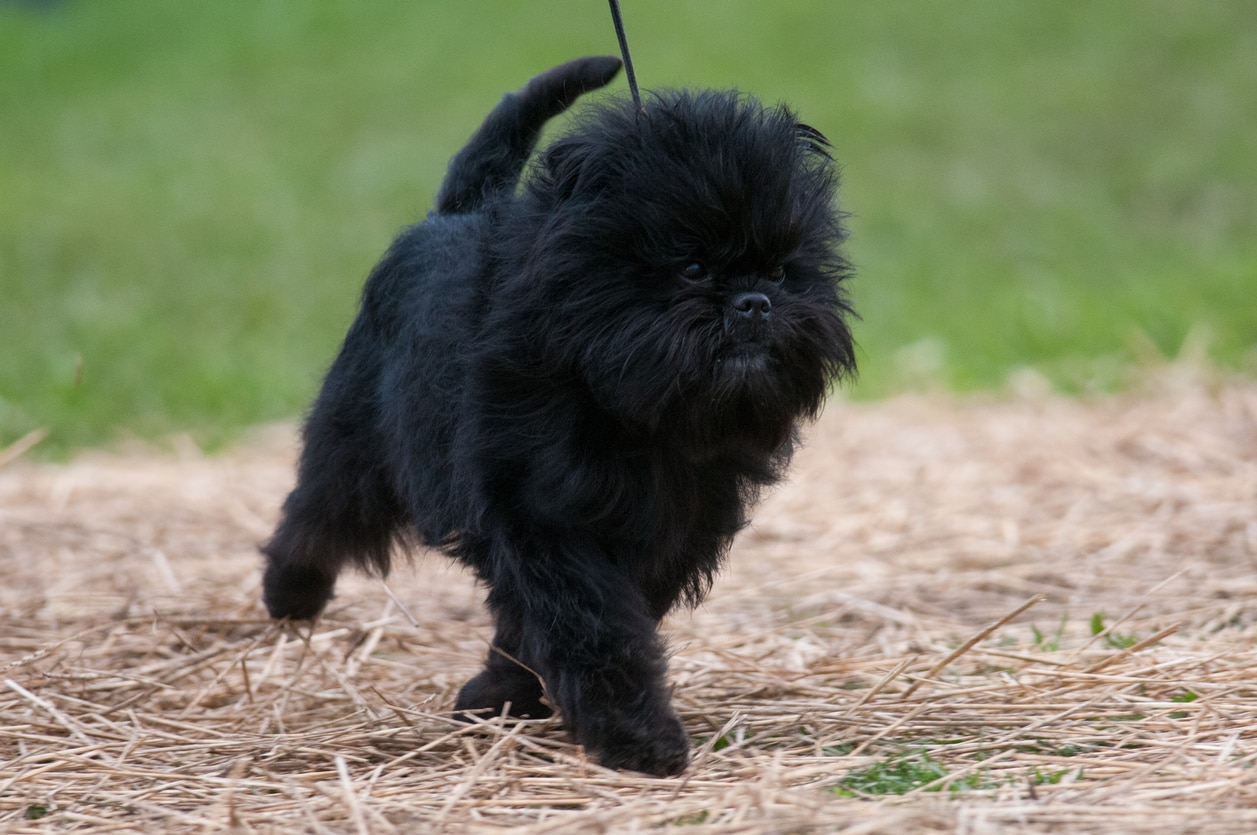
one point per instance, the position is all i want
(580, 389)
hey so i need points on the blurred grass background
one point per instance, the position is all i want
(192, 193)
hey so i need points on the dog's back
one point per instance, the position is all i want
(493, 159)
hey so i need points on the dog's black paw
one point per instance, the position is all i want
(498, 686)
(295, 592)
(659, 748)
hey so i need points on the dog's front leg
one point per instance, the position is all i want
(581, 624)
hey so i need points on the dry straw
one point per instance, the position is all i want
(864, 666)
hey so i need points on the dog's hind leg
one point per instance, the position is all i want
(343, 509)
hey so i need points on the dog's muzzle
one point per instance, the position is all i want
(747, 316)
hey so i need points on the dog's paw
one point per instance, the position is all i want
(659, 748)
(295, 592)
(495, 687)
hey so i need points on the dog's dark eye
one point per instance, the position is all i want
(778, 275)
(693, 272)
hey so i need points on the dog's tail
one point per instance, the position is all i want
(494, 158)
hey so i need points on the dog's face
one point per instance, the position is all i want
(687, 260)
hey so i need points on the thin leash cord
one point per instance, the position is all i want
(624, 50)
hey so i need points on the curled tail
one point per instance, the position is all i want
(494, 157)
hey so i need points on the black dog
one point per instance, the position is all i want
(580, 390)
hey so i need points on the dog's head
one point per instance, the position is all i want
(684, 263)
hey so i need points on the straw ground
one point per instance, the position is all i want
(1031, 614)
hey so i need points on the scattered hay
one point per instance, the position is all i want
(857, 669)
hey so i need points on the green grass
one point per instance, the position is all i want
(900, 775)
(192, 193)
(1114, 640)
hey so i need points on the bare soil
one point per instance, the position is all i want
(1020, 614)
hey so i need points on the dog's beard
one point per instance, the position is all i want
(682, 367)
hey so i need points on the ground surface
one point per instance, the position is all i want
(830, 683)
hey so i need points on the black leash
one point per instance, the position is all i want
(624, 50)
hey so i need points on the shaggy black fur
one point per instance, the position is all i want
(579, 390)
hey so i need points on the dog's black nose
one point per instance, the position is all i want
(752, 305)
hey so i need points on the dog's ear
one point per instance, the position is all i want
(812, 139)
